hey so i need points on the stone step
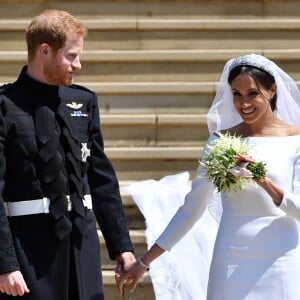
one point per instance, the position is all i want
(153, 129)
(150, 98)
(182, 23)
(135, 219)
(172, 33)
(140, 245)
(126, 198)
(138, 239)
(154, 8)
(161, 98)
(136, 225)
(139, 163)
(173, 65)
(170, 23)
(153, 97)
(154, 65)
(143, 291)
(176, 87)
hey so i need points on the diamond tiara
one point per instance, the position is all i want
(253, 60)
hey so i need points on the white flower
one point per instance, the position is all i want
(224, 170)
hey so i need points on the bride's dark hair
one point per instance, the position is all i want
(260, 77)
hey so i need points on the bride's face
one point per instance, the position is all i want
(251, 100)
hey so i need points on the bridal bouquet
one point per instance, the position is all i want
(224, 170)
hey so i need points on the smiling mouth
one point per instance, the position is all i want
(248, 111)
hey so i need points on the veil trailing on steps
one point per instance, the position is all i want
(182, 273)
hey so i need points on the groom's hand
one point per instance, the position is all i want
(124, 262)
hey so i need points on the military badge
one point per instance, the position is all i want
(85, 152)
(79, 113)
(74, 105)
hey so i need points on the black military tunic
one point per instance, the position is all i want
(51, 147)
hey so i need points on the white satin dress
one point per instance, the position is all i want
(256, 254)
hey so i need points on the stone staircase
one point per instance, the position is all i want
(155, 65)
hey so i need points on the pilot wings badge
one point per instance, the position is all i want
(74, 105)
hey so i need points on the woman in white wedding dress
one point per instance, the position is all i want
(256, 254)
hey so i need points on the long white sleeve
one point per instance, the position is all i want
(291, 199)
(186, 216)
(193, 208)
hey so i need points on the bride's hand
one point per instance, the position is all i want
(244, 158)
(131, 277)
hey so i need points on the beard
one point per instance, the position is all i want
(56, 74)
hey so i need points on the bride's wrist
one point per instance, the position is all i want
(143, 264)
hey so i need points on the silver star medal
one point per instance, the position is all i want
(85, 152)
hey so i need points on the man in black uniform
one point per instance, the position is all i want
(54, 174)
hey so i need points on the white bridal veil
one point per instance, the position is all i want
(222, 114)
(182, 273)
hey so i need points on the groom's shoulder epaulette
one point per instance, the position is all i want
(81, 87)
(5, 87)
(76, 93)
(4, 96)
